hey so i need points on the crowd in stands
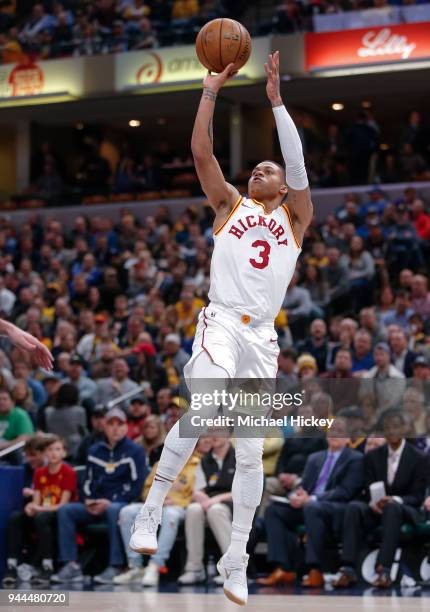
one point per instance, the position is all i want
(53, 29)
(335, 155)
(117, 304)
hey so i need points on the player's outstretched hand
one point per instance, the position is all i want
(273, 87)
(214, 82)
(27, 342)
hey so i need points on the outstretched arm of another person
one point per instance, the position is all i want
(27, 342)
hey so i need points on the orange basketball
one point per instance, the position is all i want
(221, 42)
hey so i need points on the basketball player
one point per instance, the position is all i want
(27, 342)
(257, 241)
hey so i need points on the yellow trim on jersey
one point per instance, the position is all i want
(230, 214)
(261, 204)
(287, 212)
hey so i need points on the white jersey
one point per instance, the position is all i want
(254, 259)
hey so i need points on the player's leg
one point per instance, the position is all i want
(247, 491)
(176, 452)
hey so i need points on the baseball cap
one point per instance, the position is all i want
(138, 398)
(75, 358)
(99, 410)
(100, 318)
(421, 360)
(179, 402)
(51, 376)
(116, 413)
(173, 338)
(383, 346)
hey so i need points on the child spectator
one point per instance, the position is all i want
(53, 486)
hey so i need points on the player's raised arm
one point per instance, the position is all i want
(221, 195)
(299, 197)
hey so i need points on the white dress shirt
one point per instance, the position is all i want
(394, 457)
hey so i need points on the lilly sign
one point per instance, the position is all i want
(176, 65)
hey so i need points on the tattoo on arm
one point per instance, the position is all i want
(211, 131)
(209, 94)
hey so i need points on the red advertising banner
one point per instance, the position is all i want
(373, 45)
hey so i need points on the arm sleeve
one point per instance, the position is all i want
(292, 150)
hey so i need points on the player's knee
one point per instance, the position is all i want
(249, 454)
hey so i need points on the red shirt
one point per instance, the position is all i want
(51, 486)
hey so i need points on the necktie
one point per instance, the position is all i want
(324, 474)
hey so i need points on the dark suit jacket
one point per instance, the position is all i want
(410, 481)
(409, 360)
(346, 478)
(296, 451)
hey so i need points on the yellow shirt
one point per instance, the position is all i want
(271, 451)
(185, 9)
(188, 318)
(181, 492)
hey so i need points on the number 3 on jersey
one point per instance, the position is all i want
(263, 256)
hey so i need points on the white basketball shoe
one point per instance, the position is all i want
(234, 573)
(144, 530)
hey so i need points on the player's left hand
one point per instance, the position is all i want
(273, 87)
(27, 342)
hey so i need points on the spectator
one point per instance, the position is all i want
(86, 387)
(361, 270)
(15, 423)
(420, 296)
(362, 352)
(402, 469)
(298, 305)
(384, 380)
(287, 367)
(173, 358)
(152, 438)
(67, 418)
(317, 345)
(292, 460)
(138, 411)
(97, 434)
(330, 480)
(340, 382)
(211, 503)
(306, 366)
(174, 510)
(38, 22)
(401, 356)
(414, 407)
(111, 483)
(54, 485)
(402, 311)
(337, 278)
(118, 384)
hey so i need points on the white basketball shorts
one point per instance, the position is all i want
(243, 346)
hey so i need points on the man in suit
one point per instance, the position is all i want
(403, 470)
(402, 357)
(331, 479)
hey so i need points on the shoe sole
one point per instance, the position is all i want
(77, 579)
(144, 551)
(233, 598)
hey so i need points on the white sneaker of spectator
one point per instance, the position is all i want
(235, 582)
(151, 577)
(133, 574)
(192, 577)
(144, 530)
